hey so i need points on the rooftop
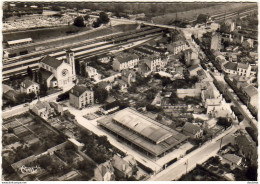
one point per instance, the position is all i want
(230, 66)
(142, 131)
(232, 158)
(27, 83)
(123, 58)
(51, 61)
(242, 65)
(251, 91)
(190, 128)
(78, 90)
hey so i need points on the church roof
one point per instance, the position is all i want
(51, 61)
(45, 74)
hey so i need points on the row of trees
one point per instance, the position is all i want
(102, 19)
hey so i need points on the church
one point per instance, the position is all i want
(57, 73)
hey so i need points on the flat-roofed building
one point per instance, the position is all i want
(142, 132)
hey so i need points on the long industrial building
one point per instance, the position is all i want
(142, 132)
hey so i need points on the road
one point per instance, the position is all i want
(247, 115)
(93, 127)
(198, 156)
(19, 109)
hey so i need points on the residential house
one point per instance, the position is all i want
(249, 43)
(177, 46)
(28, 86)
(128, 76)
(104, 58)
(193, 69)
(124, 168)
(210, 123)
(238, 80)
(182, 93)
(192, 130)
(81, 96)
(209, 93)
(243, 69)
(104, 172)
(155, 63)
(58, 109)
(230, 68)
(144, 70)
(190, 55)
(232, 57)
(252, 95)
(9, 93)
(122, 85)
(125, 61)
(105, 85)
(232, 159)
(43, 109)
(92, 73)
(221, 60)
(109, 107)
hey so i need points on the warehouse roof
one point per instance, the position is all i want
(140, 141)
(142, 125)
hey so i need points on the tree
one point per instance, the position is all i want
(30, 72)
(32, 95)
(100, 94)
(159, 117)
(103, 17)
(21, 97)
(251, 173)
(43, 89)
(44, 161)
(224, 122)
(79, 22)
(96, 23)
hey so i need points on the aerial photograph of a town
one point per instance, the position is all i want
(129, 91)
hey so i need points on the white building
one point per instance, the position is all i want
(57, 73)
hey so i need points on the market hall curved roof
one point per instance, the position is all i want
(142, 125)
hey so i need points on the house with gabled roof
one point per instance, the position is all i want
(123, 167)
(28, 86)
(192, 130)
(81, 96)
(252, 95)
(125, 61)
(104, 172)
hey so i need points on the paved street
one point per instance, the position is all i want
(243, 109)
(200, 155)
(92, 126)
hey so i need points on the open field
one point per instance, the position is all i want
(192, 14)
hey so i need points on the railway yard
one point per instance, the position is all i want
(117, 96)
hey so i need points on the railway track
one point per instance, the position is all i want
(19, 67)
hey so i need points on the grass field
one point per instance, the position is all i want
(192, 14)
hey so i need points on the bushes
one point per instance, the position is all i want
(191, 149)
(63, 96)
(252, 133)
